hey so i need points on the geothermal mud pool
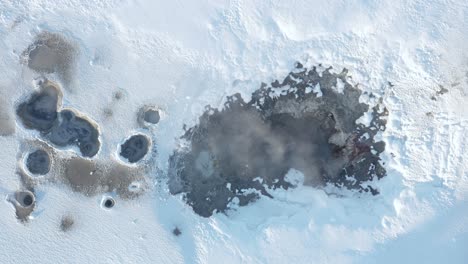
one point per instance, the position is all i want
(68, 144)
(307, 122)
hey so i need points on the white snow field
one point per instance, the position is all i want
(184, 55)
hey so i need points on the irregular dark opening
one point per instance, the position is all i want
(303, 123)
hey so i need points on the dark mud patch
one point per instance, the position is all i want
(51, 53)
(90, 178)
(284, 126)
(38, 162)
(135, 148)
(82, 175)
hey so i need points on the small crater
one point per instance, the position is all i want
(27, 200)
(135, 148)
(108, 202)
(24, 202)
(38, 162)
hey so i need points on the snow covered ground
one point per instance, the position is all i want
(183, 55)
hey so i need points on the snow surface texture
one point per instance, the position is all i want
(181, 57)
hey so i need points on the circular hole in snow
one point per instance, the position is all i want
(108, 202)
(28, 200)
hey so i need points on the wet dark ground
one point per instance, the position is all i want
(274, 132)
